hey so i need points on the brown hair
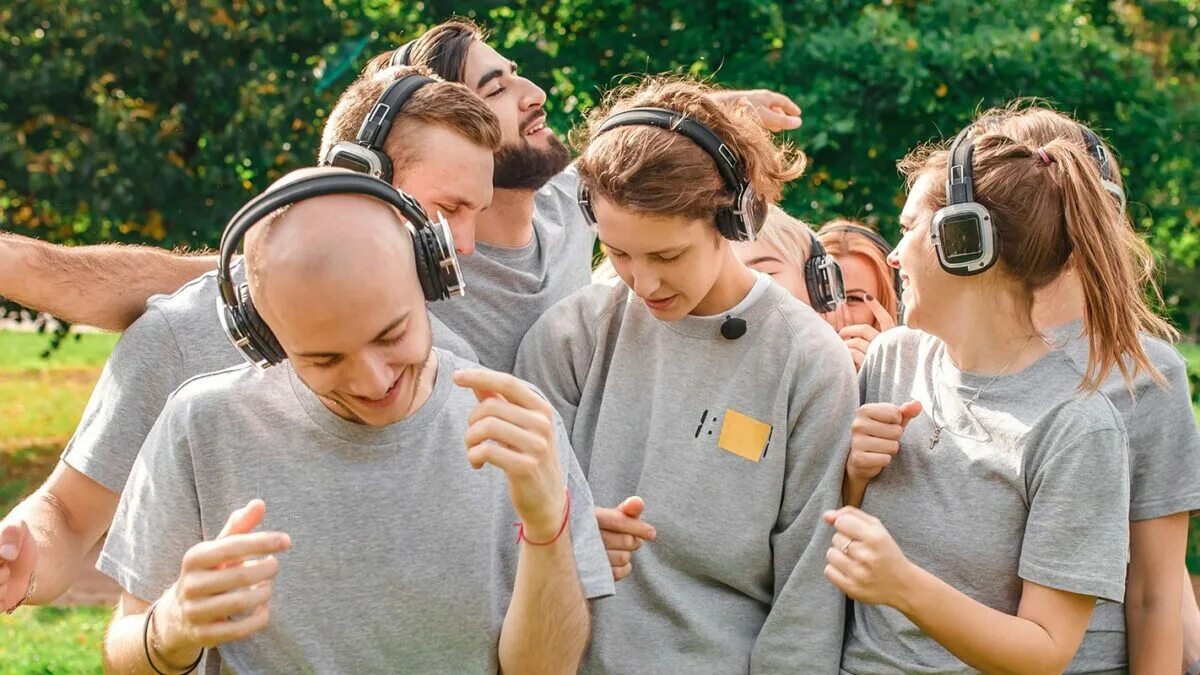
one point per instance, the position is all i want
(1046, 214)
(852, 241)
(657, 171)
(442, 49)
(1029, 120)
(446, 104)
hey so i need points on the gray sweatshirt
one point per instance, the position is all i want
(737, 446)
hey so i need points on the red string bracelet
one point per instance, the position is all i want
(561, 528)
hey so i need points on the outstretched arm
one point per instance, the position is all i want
(105, 286)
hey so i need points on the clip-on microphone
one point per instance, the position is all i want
(733, 328)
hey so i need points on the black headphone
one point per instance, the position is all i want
(400, 56)
(1096, 149)
(885, 248)
(365, 153)
(823, 277)
(962, 231)
(433, 248)
(739, 222)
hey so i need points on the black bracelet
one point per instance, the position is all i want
(146, 645)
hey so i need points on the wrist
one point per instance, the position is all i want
(166, 647)
(550, 526)
(910, 588)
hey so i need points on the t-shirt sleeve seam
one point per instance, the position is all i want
(1160, 508)
(174, 338)
(1094, 586)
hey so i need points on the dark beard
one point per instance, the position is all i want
(520, 166)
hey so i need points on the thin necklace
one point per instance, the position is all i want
(937, 431)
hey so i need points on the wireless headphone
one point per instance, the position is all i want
(823, 277)
(962, 232)
(739, 222)
(400, 56)
(365, 153)
(433, 248)
(1096, 149)
(884, 248)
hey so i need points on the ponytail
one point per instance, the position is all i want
(1115, 311)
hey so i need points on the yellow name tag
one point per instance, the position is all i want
(744, 436)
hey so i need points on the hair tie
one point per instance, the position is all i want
(1046, 159)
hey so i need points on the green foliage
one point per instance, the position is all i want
(52, 640)
(153, 120)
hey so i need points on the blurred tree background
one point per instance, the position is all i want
(152, 120)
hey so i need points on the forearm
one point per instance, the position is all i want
(1155, 637)
(104, 286)
(547, 626)
(981, 637)
(61, 548)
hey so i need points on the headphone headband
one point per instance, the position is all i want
(867, 232)
(379, 121)
(433, 249)
(727, 163)
(1099, 153)
(400, 56)
(365, 153)
(739, 222)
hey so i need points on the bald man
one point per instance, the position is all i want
(352, 510)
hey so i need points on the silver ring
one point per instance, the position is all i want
(846, 547)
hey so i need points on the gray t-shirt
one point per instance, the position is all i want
(509, 288)
(402, 557)
(178, 337)
(737, 446)
(1032, 483)
(1164, 469)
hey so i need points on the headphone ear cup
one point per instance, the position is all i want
(257, 329)
(583, 197)
(424, 255)
(727, 224)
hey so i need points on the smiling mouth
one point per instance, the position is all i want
(537, 126)
(385, 400)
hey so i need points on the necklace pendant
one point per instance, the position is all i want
(937, 434)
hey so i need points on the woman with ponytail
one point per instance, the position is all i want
(718, 399)
(1143, 634)
(1001, 515)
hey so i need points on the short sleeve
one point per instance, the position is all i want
(1077, 532)
(591, 560)
(158, 518)
(1164, 448)
(144, 368)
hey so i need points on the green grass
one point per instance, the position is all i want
(1192, 354)
(52, 640)
(24, 351)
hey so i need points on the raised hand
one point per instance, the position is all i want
(874, 441)
(778, 112)
(512, 428)
(224, 589)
